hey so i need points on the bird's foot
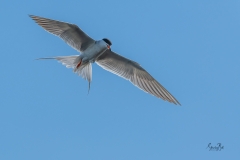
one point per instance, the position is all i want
(78, 65)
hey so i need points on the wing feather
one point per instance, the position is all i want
(70, 33)
(133, 72)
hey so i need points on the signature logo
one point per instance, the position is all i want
(218, 147)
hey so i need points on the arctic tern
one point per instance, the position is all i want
(99, 51)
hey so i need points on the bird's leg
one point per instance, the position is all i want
(78, 65)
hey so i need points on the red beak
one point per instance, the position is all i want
(108, 46)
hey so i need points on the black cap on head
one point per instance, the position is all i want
(107, 41)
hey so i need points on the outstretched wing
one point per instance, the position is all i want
(133, 72)
(70, 33)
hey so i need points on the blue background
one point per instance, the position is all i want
(190, 47)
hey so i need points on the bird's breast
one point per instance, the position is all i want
(94, 51)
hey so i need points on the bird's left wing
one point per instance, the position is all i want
(70, 33)
(133, 72)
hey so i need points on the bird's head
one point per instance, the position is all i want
(108, 42)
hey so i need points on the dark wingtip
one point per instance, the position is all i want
(31, 16)
(177, 103)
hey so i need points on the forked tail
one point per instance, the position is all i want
(84, 69)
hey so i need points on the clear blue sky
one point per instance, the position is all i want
(191, 47)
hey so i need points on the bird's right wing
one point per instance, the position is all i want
(133, 72)
(70, 33)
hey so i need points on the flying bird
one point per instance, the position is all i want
(99, 51)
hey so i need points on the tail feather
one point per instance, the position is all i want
(85, 70)
(68, 61)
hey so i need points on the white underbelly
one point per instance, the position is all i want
(94, 51)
